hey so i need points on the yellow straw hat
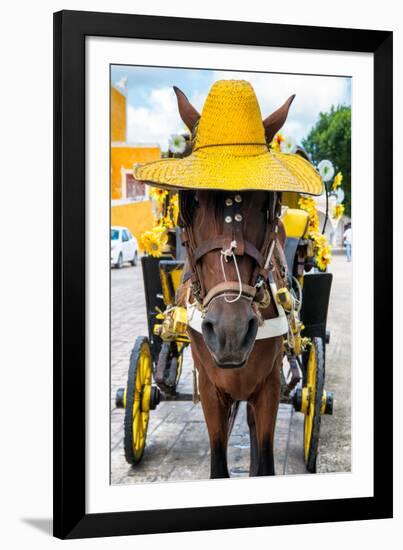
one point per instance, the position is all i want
(230, 151)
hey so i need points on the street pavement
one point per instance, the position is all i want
(177, 442)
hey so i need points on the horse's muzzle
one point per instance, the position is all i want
(229, 331)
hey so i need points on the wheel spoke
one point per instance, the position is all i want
(145, 368)
(136, 407)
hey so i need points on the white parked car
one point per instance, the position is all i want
(124, 247)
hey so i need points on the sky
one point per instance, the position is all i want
(152, 114)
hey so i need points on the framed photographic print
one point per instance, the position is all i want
(222, 252)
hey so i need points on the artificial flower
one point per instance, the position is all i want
(158, 194)
(288, 145)
(174, 208)
(322, 250)
(276, 142)
(321, 246)
(309, 205)
(177, 144)
(166, 221)
(323, 258)
(154, 241)
(326, 170)
(337, 181)
(337, 211)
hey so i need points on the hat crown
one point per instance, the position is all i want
(231, 115)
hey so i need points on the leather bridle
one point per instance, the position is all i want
(231, 245)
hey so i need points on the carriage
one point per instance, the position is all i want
(156, 360)
(266, 282)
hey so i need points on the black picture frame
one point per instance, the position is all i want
(70, 30)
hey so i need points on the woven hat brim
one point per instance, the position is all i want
(224, 170)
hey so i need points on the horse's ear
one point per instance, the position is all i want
(188, 113)
(275, 121)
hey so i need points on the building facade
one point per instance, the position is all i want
(130, 202)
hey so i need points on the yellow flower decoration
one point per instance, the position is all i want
(337, 211)
(174, 208)
(337, 181)
(275, 144)
(309, 205)
(167, 222)
(158, 194)
(324, 257)
(154, 240)
(322, 250)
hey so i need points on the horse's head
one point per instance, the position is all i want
(220, 218)
(228, 233)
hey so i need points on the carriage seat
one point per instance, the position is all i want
(295, 223)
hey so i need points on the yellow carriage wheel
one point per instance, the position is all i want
(137, 400)
(312, 394)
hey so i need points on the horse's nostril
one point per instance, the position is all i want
(251, 331)
(208, 328)
(209, 333)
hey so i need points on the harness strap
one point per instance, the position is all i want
(222, 243)
(187, 275)
(235, 211)
(261, 270)
(228, 286)
(194, 272)
(271, 244)
(283, 260)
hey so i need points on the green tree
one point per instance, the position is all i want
(330, 139)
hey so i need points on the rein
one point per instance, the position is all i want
(231, 245)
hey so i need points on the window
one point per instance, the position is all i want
(114, 234)
(134, 189)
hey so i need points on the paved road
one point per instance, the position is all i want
(335, 437)
(177, 443)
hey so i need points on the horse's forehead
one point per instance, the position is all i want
(213, 211)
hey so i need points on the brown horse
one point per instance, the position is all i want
(229, 265)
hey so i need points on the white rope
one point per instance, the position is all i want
(227, 254)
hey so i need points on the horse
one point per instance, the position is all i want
(234, 243)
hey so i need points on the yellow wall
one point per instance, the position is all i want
(118, 116)
(125, 156)
(137, 216)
